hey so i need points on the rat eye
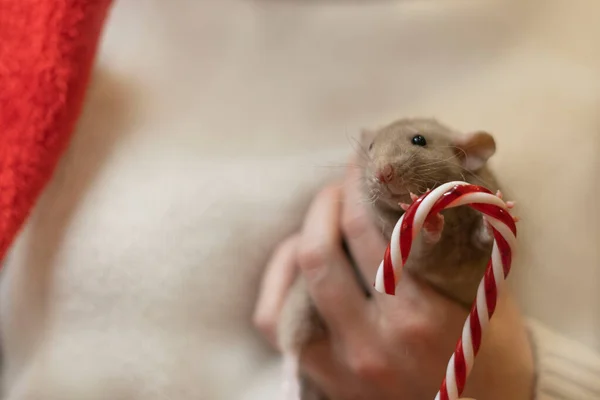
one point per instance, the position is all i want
(419, 140)
(371, 146)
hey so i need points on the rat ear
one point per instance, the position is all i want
(474, 149)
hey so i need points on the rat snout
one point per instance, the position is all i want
(385, 174)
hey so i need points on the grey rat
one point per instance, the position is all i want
(401, 160)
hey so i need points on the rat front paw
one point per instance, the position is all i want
(405, 206)
(509, 205)
(433, 227)
(485, 234)
(433, 224)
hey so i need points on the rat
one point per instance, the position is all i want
(401, 161)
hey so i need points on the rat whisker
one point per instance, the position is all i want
(460, 149)
(370, 200)
(427, 175)
(443, 161)
(372, 197)
(347, 165)
(419, 181)
(478, 178)
(359, 148)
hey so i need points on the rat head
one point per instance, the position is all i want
(413, 155)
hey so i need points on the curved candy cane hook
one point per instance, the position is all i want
(495, 211)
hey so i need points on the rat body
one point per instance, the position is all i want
(402, 159)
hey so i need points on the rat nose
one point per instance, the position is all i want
(385, 174)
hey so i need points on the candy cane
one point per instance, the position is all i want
(495, 212)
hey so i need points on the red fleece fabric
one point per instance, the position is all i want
(47, 49)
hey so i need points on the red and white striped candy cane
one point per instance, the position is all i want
(495, 211)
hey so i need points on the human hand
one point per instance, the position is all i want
(384, 347)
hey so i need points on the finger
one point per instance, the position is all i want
(276, 282)
(365, 242)
(320, 364)
(329, 276)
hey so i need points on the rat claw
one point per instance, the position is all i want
(509, 204)
(516, 219)
(404, 206)
(413, 196)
